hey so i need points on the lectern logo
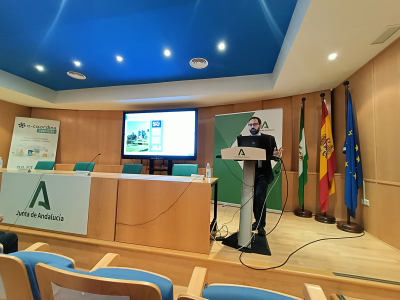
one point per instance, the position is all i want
(45, 203)
(241, 152)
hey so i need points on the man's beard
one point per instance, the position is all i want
(254, 131)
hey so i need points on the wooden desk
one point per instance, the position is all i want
(153, 210)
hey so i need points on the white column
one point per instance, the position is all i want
(244, 236)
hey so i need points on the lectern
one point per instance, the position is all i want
(250, 156)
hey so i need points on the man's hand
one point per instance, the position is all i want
(1, 218)
(278, 153)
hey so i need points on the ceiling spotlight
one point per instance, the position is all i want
(40, 68)
(167, 52)
(332, 56)
(77, 63)
(119, 58)
(221, 46)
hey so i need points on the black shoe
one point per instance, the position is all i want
(261, 231)
(254, 226)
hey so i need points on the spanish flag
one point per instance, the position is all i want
(327, 162)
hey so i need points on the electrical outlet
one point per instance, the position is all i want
(366, 202)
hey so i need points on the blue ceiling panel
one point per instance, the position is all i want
(54, 33)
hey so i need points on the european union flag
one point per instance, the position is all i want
(353, 176)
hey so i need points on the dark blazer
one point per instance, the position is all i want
(266, 168)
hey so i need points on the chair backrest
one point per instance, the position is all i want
(84, 166)
(18, 272)
(184, 169)
(132, 169)
(45, 165)
(15, 278)
(86, 283)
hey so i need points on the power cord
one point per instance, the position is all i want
(252, 236)
(290, 255)
(287, 259)
(235, 175)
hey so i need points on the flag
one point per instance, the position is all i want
(303, 158)
(327, 162)
(353, 175)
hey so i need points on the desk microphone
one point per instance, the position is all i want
(92, 160)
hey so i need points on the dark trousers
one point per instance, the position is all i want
(260, 192)
(9, 242)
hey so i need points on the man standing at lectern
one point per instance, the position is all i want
(263, 177)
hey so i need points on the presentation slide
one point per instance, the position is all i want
(171, 133)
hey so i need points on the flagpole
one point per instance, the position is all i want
(348, 226)
(323, 217)
(301, 212)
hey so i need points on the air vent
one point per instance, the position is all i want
(76, 75)
(198, 63)
(386, 33)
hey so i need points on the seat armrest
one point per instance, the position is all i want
(189, 297)
(313, 292)
(38, 247)
(197, 282)
(108, 260)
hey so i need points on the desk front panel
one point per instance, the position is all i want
(166, 214)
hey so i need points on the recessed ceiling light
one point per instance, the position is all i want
(40, 68)
(221, 46)
(119, 58)
(332, 56)
(167, 52)
(77, 63)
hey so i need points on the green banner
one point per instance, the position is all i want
(229, 172)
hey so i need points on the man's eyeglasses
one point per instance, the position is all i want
(253, 124)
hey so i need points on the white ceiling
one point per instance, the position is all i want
(346, 27)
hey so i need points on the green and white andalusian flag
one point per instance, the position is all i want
(303, 158)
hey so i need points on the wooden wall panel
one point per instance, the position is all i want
(88, 137)
(339, 127)
(215, 110)
(84, 134)
(248, 106)
(387, 214)
(203, 137)
(110, 137)
(67, 146)
(375, 92)
(8, 112)
(370, 214)
(387, 105)
(365, 119)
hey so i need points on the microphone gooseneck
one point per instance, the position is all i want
(91, 161)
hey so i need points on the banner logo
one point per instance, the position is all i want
(21, 125)
(45, 203)
(241, 152)
(264, 125)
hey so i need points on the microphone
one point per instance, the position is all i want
(91, 161)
